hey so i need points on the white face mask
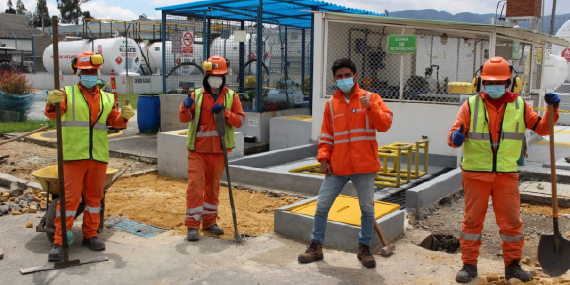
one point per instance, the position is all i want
(215, 82)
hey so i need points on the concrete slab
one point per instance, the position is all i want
(169, 106)
(289, 131)
(138, 146)
(432, 191)
(559, 164)
(542, 192)
(338, 235)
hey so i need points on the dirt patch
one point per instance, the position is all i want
(27, 157)
(161, 201)
(541, 209)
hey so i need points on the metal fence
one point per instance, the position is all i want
(285, 59)
(441, 70)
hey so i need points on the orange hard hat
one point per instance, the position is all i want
(88, 60)
(496, 69)
(216, 65)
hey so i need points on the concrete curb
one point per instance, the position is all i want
(7, 179)
(433, 190)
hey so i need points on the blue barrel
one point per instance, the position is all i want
(148, 113)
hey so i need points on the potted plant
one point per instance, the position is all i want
(16, 94)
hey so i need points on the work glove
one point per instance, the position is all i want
(550, 98)
(458, 136)
(54, 97)
(127, 111)
(188, 102)
(217, 108)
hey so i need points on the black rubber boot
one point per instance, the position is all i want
(94, 244)
(192, 235)
(466, 274)
(56, 253)
(514, 270)
(215, 230)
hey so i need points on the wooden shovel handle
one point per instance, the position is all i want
(24, 135)
(552, 161)
(380, 234)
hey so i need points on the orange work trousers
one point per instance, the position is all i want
(87, 176)
(504, 191)
(204, 172)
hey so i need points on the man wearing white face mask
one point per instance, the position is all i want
(205, 154)
(494, 123)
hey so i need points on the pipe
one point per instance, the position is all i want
(33, 51)
(16, 48)
(163, 36)
(259, 43)
(242, 62)
(552, 17)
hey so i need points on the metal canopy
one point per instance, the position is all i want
(295, 13)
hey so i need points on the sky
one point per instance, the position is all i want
(131, 9)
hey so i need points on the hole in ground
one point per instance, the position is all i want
(441, 242)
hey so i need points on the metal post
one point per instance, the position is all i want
(402, 72)
(259, 81)
(100, 35)
(204, 38)
(457, 66)
(126, 49)
(311, 59)
(303, 62)
(286, 66)
(208, 31)
(242, 63)
(552, 17)
(492, 44)
(163, 36)
(16, 49)
(33, 51)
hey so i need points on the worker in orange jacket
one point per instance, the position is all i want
(348, 151)
(85, 112)
(494, 126)
(205, 154)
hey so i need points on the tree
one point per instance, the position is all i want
(85, 15)
(41, 15)
(20, 8)
(70, 10)
(10, 9)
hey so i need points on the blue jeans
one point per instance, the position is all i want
(330, 189)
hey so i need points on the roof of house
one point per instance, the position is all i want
(17, 24)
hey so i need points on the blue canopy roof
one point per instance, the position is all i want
(284, 12)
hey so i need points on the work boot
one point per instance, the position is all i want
(467, 273)
(365, 256)
(94, 244)
(215, 230)
(514, 270)
(314, 252)
(192, 235)
(56, 253)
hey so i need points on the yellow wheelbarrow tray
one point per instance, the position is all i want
(48, 178)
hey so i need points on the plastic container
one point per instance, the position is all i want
(148, 113)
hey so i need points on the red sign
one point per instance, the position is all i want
(118, 60)
(177, 61)
(99, 49)
(188, 39)
(566, 54)
(188, 50)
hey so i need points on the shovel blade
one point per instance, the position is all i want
(554, 259)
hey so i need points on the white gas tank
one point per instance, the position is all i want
(555, 71)
(67, 51)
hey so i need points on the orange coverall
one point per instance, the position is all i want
(206, 164)
(502, 187)
(84, 175)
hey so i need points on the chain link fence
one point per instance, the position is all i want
(285, 59)
(440, 71)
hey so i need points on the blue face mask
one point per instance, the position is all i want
(88, 80)
(495, 91)
(345, 85)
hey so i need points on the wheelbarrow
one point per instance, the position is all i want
(49, 181)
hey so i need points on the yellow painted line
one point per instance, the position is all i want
(39, 136)
(562, 132)
(544, 109)
(557, 144)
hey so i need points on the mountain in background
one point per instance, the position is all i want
(430, 14)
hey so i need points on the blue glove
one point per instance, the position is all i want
(188, 102)
(217, 108)
(552, 98)
(458, 136)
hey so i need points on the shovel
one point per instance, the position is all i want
(553, 249)
(221, 128)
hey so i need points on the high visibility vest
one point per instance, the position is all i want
(229, 138)
(478, 154)
(81, 140)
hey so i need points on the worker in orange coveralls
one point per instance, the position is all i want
(85, 112)
(494, 126)
(205, 154)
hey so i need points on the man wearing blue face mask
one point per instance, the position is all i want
(491, 126)
(85, 112)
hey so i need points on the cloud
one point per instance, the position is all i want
(100, 10)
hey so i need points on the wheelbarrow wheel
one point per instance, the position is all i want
(50, 218)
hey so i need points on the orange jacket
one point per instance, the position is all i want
(115, 119)
(533, 122)
(348, 143)
(235, 117)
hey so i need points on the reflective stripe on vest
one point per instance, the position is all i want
(352, 131)
(230, 137)
(478, 154)
(80, 139)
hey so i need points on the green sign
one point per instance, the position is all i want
(516, 50)
(401, 44)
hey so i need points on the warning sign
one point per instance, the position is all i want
(188, 44)
(566, 54)
(176, 42)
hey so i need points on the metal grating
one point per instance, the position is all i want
(137, 228)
